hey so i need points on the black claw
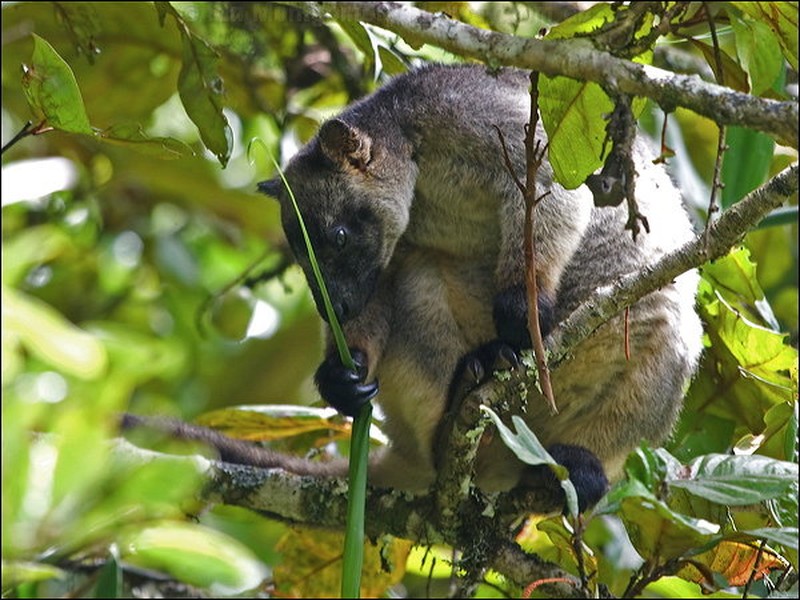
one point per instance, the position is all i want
(343, 388)
(506, 358)
(476, 370)
(477, 366)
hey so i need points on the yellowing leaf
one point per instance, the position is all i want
(734, 561)
(312, 564)
(273, 422)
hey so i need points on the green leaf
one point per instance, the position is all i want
(659, 533)
(361, 38)
(759, 52)
(734, 278)
(784, 536)
(732, 74)
(746, 163)
(49, 336)
(737, 480)
(52, 91)
(17, 572)
(109, 580)
(201, 89)
(527, 447)
(131, 136)
(574, 112)
(195, 555)
(781, 17)
(583, 22)
(390, 62)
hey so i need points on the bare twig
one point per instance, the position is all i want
(716, 183)
(534, 155)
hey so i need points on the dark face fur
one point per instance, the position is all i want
(355, 202)
(345, 233)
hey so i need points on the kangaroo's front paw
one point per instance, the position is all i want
(477, 366)
(343, 388)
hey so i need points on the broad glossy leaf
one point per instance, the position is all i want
(573, 112)
(738, 480)
(52, 91)
(194, 554)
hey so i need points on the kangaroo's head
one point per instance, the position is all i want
(354, 194)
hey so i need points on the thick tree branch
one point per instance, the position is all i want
(577, 59)
(322, 502)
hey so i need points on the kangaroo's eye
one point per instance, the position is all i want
(340, 237)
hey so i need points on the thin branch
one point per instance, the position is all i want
(577, 59)
(723, 235)
(27, 129)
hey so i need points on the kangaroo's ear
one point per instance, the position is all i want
(271, 187)
(345, 145)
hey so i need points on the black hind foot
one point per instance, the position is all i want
(585, 472)
(477, 366)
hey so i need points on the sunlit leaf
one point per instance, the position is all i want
(48, 335)
(758, 50)
(16, 572)
(320, 552)
(52, 91)
(781, 17)
(272, 422)
(194, 554)
(390, 62)
(574, 112)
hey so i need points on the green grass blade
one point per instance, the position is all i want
(356, 500)
(353, 558)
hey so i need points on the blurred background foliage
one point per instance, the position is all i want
(142, 272)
